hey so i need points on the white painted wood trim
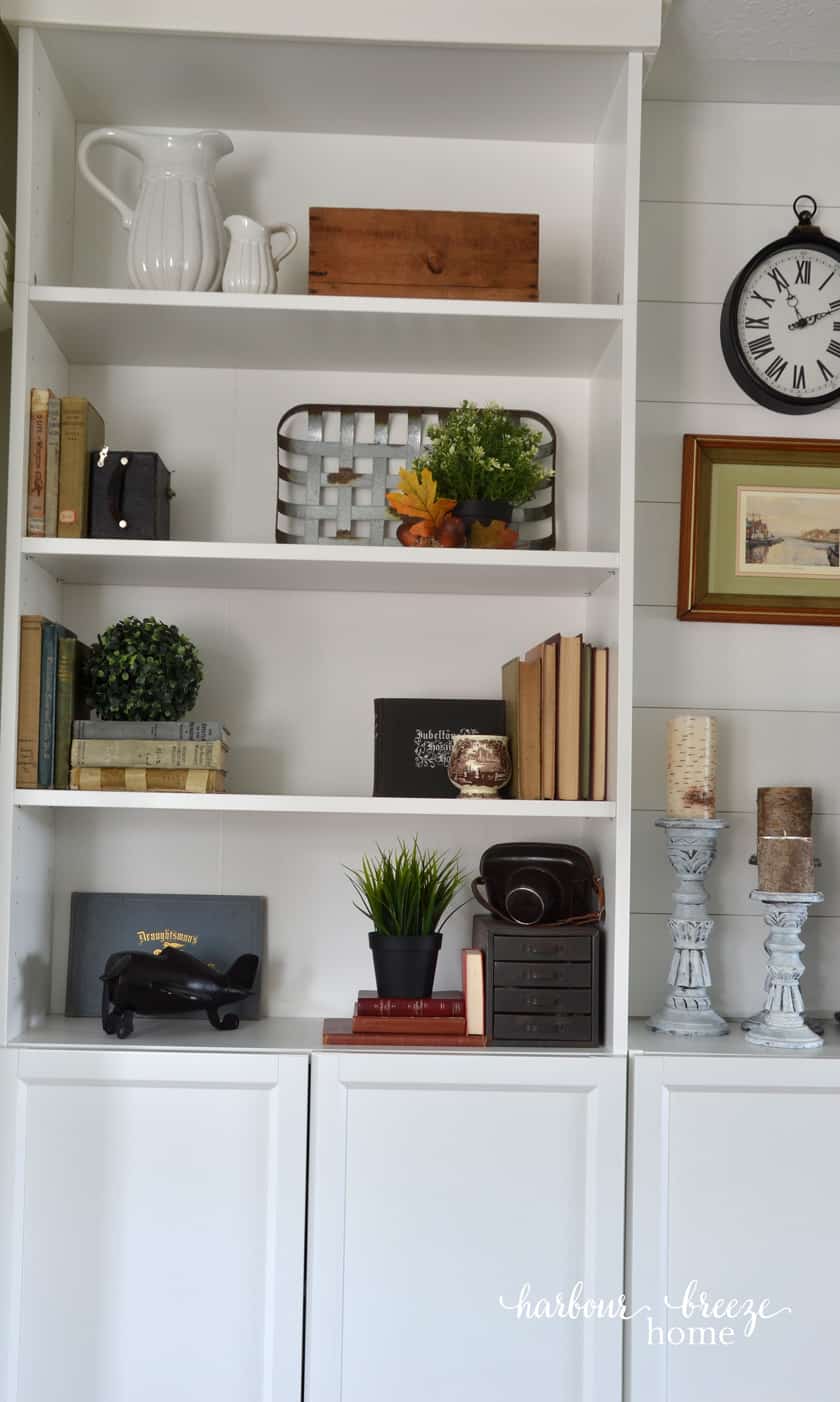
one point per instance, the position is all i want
(307, 803)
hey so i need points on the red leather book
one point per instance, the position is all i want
(449, 1004)
(417, 1026)
(338, 1032)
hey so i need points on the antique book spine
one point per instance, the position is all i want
(338, 1032)
(141, 780)
(37, 486)
(586, 721)
(472, 975)
(183, 730)
(50, 636)
(82, 432)
(416, 1026)
(510, 695)
(441, 1005)
(149, 754)
(69, 703)
(530, 729)
(568, 718)
(53, 462)
(600, 678)
(546, 653)
(29, 701)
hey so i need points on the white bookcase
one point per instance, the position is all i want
(297, 641)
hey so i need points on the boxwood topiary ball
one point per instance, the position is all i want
(142, 669)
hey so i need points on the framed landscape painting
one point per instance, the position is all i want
(760, 530)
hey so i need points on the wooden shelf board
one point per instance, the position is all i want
(103, 326)
(309, 803)
(269, 1034)
(348, 568)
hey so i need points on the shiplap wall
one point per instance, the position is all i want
(718, 180)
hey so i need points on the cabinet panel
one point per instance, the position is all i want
(159, 1208)
(734, 1187)
(441, 1186)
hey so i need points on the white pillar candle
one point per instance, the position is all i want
(692, 766)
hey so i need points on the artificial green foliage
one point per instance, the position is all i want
(407, 891)
(141, 669)
(484, 455)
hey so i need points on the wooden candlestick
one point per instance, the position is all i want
(688, 1011)
(785, 847)
(692, 766)
(781, 1022)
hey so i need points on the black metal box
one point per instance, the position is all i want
(542, 986)
(129, 496)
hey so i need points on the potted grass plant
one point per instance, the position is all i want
(486, 462)
(406, 895)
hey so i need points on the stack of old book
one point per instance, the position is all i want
(556, 715)
(184, 756)
(450, 1019)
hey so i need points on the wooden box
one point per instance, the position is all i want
(424, 253)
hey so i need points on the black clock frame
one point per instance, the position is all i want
(804, 235)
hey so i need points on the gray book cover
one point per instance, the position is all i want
(216, 929)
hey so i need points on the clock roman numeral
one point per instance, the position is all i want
(834, 305)
(826, 373)
(799, 377)
(828, 279)
(778, 277)
(761, 345)
(803, 270)
(833, 348)
(835, 325)
(776, 368)
(768, 301)
(756, 323)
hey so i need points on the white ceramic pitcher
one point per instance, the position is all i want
(251, 266)
(176, 239)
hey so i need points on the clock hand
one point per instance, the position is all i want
(808, 320)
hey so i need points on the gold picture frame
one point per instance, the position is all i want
(759, 531)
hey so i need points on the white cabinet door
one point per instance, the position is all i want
(157, 1226)
(735, 1186)
(441, 1186)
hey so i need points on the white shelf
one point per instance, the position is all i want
(268, 1034)
(645, 1042)
(314, 803)
(103, 326)
(348, 568)
(405, 89)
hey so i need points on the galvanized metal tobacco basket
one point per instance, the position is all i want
(335, 462)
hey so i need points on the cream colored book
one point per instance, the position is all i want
(568, 718)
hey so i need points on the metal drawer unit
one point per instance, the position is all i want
(542, 985)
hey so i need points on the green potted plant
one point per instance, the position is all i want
(486, 461)
(406, 894)
(142, 669)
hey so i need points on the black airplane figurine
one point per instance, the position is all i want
(171, 982)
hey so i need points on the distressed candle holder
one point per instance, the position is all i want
(688, 1011)
(781, 1022)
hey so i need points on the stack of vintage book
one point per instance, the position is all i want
(556, 708)
(59, 748)
(62, 435)
(182, 756)
(450, 1019)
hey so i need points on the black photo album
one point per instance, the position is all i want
(413, 742)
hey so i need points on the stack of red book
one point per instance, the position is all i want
(448, 1019)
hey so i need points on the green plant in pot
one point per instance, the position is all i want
(487, 462)
(142, 669)
(406, 894)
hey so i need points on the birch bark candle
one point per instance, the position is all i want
(692, 766)
(785, 845)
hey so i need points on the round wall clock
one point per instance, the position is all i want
(780, 323)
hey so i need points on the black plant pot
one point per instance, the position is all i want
(404, 965)
(483, 512)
